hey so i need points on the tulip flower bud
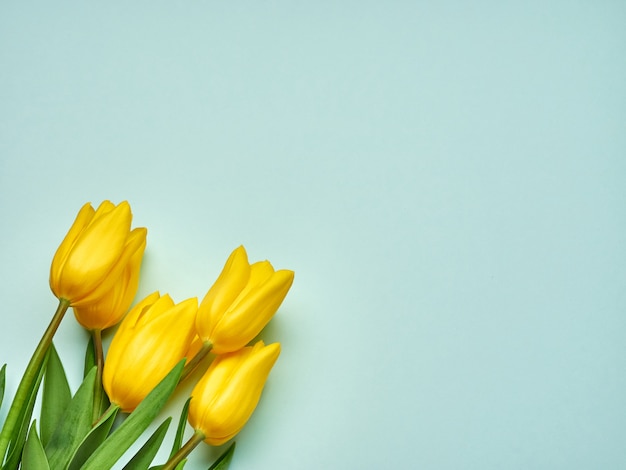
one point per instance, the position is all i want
(94, 253)
(225, 397)
(241, 302)
(150, 341)
(110, 309)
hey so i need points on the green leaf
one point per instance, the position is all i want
(224, 460)
(94, 439)
(136, 423)
(144, 457)
(3, 375)
(34, 457)
(74, 425)
(56, 395)
(18, 436)
(180, 431)
(178, 439)
(105, 403)
(90, 357)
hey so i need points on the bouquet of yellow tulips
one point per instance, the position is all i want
(158, 343)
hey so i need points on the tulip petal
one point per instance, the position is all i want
(224, 291)
(114, 304)
(84, 217)
(226, 396)
(116, 353)
(95, 252)
(141, 354)
(105, 207)
(136, 312)
(249, 316)
(260, 273)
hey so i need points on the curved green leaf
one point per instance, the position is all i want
(224, 460)
(18, 436)
(3, 375)
(56, 395)
(99, 432)
(73, 426)
(180, 431)
(90, 357)
(136, 423)
(34, 457)
(144, 457)
(178, 439)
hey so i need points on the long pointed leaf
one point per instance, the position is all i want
(19, 434)
(136, 423)
(74, 425)
(144, 457)
(180, 431)
(34, 457)
(3, 375)
(178, 439)
(224, 460)
(94, 438)
(90, 357)
(56, 395)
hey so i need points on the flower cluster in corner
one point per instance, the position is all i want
(158, 344)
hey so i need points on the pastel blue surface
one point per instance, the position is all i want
(446, 180)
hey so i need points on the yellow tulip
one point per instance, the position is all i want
(150, 341)
(110, 309)
(225, 397)
(94, 253)
(241, 302)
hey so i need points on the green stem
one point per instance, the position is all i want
(98, 396)
(193, 363)
(29, 379)
(184, 451)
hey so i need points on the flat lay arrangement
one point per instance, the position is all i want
(157, 345)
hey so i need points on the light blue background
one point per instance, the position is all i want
(446, 179)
